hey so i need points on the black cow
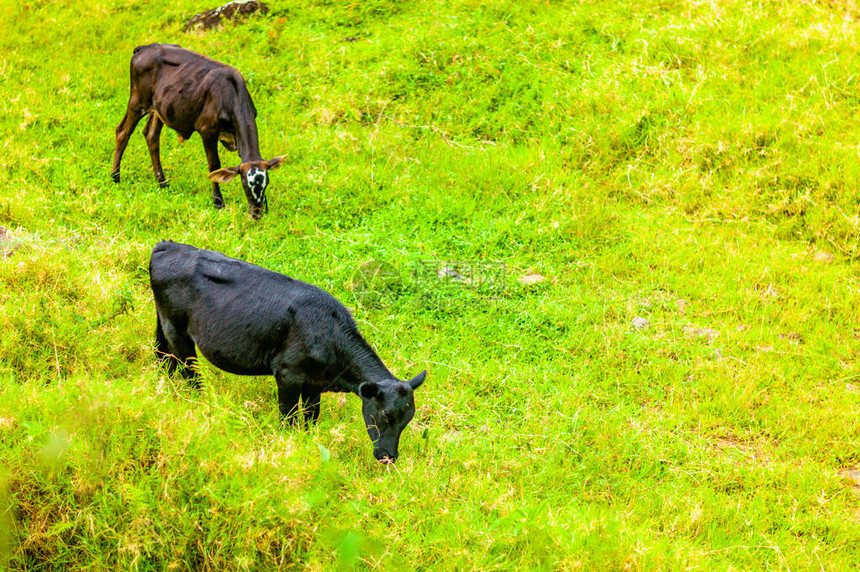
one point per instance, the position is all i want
(248, 320)
(189, 92)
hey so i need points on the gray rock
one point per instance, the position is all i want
(640, 323)
(212, 18)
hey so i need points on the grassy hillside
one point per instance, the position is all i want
(653, 362)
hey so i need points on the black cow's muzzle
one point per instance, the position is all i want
(384, 458)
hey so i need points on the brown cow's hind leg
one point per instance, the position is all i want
(152, 132)
(123, 133)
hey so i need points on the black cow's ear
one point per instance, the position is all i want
(223, 175)
(368, 390)
(416, 381)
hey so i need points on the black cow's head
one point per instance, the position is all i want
(387, 408)
(255, 179)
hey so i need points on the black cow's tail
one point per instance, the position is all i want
(161, 347)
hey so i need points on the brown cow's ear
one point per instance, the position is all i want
(273, 164)
(223, 175)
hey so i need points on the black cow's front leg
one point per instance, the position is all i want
(290, 382)
(311, 402)
(210, 144)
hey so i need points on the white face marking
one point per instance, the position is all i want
(257, 180)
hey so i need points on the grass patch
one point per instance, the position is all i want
(497, 190)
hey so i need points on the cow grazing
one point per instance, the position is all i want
(189, 92)
(248, 320)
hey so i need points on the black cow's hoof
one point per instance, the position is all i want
(219, 204)
(163, 184)
(115, 177)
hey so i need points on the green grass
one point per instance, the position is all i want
(693, 164)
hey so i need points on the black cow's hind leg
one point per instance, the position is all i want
(177, 349)
(162, 350)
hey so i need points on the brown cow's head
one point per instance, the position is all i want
(255, 179)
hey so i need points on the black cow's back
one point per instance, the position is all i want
(242, 316)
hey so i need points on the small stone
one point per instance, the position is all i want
(852, 388)
(530, 279)
(764, 349)
(852, 475)
(640, 323)
(793, 338)
(718, 354)
(769, 292)
(824, 257)
(681, 304)
(707, 333)
(8, 244)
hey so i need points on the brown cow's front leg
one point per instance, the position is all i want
(152, 132)
(123, 134)
(210, 144)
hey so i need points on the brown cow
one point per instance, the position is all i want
(189, 92)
